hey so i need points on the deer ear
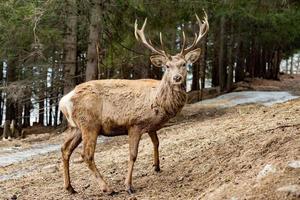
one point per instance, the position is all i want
(193, 56)
(158, 60)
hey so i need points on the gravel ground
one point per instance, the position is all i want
(244, 152)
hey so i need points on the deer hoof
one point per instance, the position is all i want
(113, 193)
(71, 190)
(130, 191)
(107, 190)
(156, 168)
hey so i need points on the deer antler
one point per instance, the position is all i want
(203, 29)
(140, 36)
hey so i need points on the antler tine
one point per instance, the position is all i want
(144, 25)
(135, 30)
(140, 36)
(161, 41)
(183, 42)
(163, 46)
(203, 29)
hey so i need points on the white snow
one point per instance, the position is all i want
(268, 169)
(266, 98)
(10, 158)
(294, 189)
(294, 164)
(13, 155)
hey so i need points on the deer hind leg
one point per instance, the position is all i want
(89, 145)
(134, 139)
(155, 142)
(67, 149)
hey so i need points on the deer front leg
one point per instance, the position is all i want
(134, 139)
(155, 142)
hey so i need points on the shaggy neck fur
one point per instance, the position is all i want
(170, 98)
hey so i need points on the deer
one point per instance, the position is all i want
(114, 107)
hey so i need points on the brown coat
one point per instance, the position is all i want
(115, 105)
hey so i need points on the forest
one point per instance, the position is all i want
(50, 46)
(223, 122)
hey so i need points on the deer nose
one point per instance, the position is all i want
(177, 78)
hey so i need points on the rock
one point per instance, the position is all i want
(78, 160)
(51, 168)
(292, 189)
(241, 88)
(86, 186)
(144, 174)
(294, 164)
(268, 169)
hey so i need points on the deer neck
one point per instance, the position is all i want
(169, 98)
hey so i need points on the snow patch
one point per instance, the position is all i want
(294, 189)
(13, 157)
(266, 98)
(294, 164)
(268, 169)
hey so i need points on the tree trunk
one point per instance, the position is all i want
(56, 111)
(221, 67)
(230, 59)
(10, 104)
(70, 46)
(1, 100)
(263, 63)
(42, 94)
(251, 59)
(298, 64)
(41, 107)
(287, 66)
(6, 130)
(240, 61)
(27, 108)
(92, 57)
(203, 65)
(19, 115)
(292, 63)
(51, 93)
(276, 64)
(215, 64)
(196, 76)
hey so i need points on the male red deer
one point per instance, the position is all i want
(127, 107)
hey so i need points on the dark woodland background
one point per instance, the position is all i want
(49, 46)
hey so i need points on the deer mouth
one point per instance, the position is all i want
(179, 86)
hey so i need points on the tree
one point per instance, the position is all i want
(70, 46)
(93, 45)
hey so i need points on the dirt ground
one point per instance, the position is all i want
(244, 152)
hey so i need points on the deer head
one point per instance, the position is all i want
(175, 66)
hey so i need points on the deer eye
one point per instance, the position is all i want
(183, 65)
(167, 66)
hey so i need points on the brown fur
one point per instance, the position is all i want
(110, 104)
(117, 107)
